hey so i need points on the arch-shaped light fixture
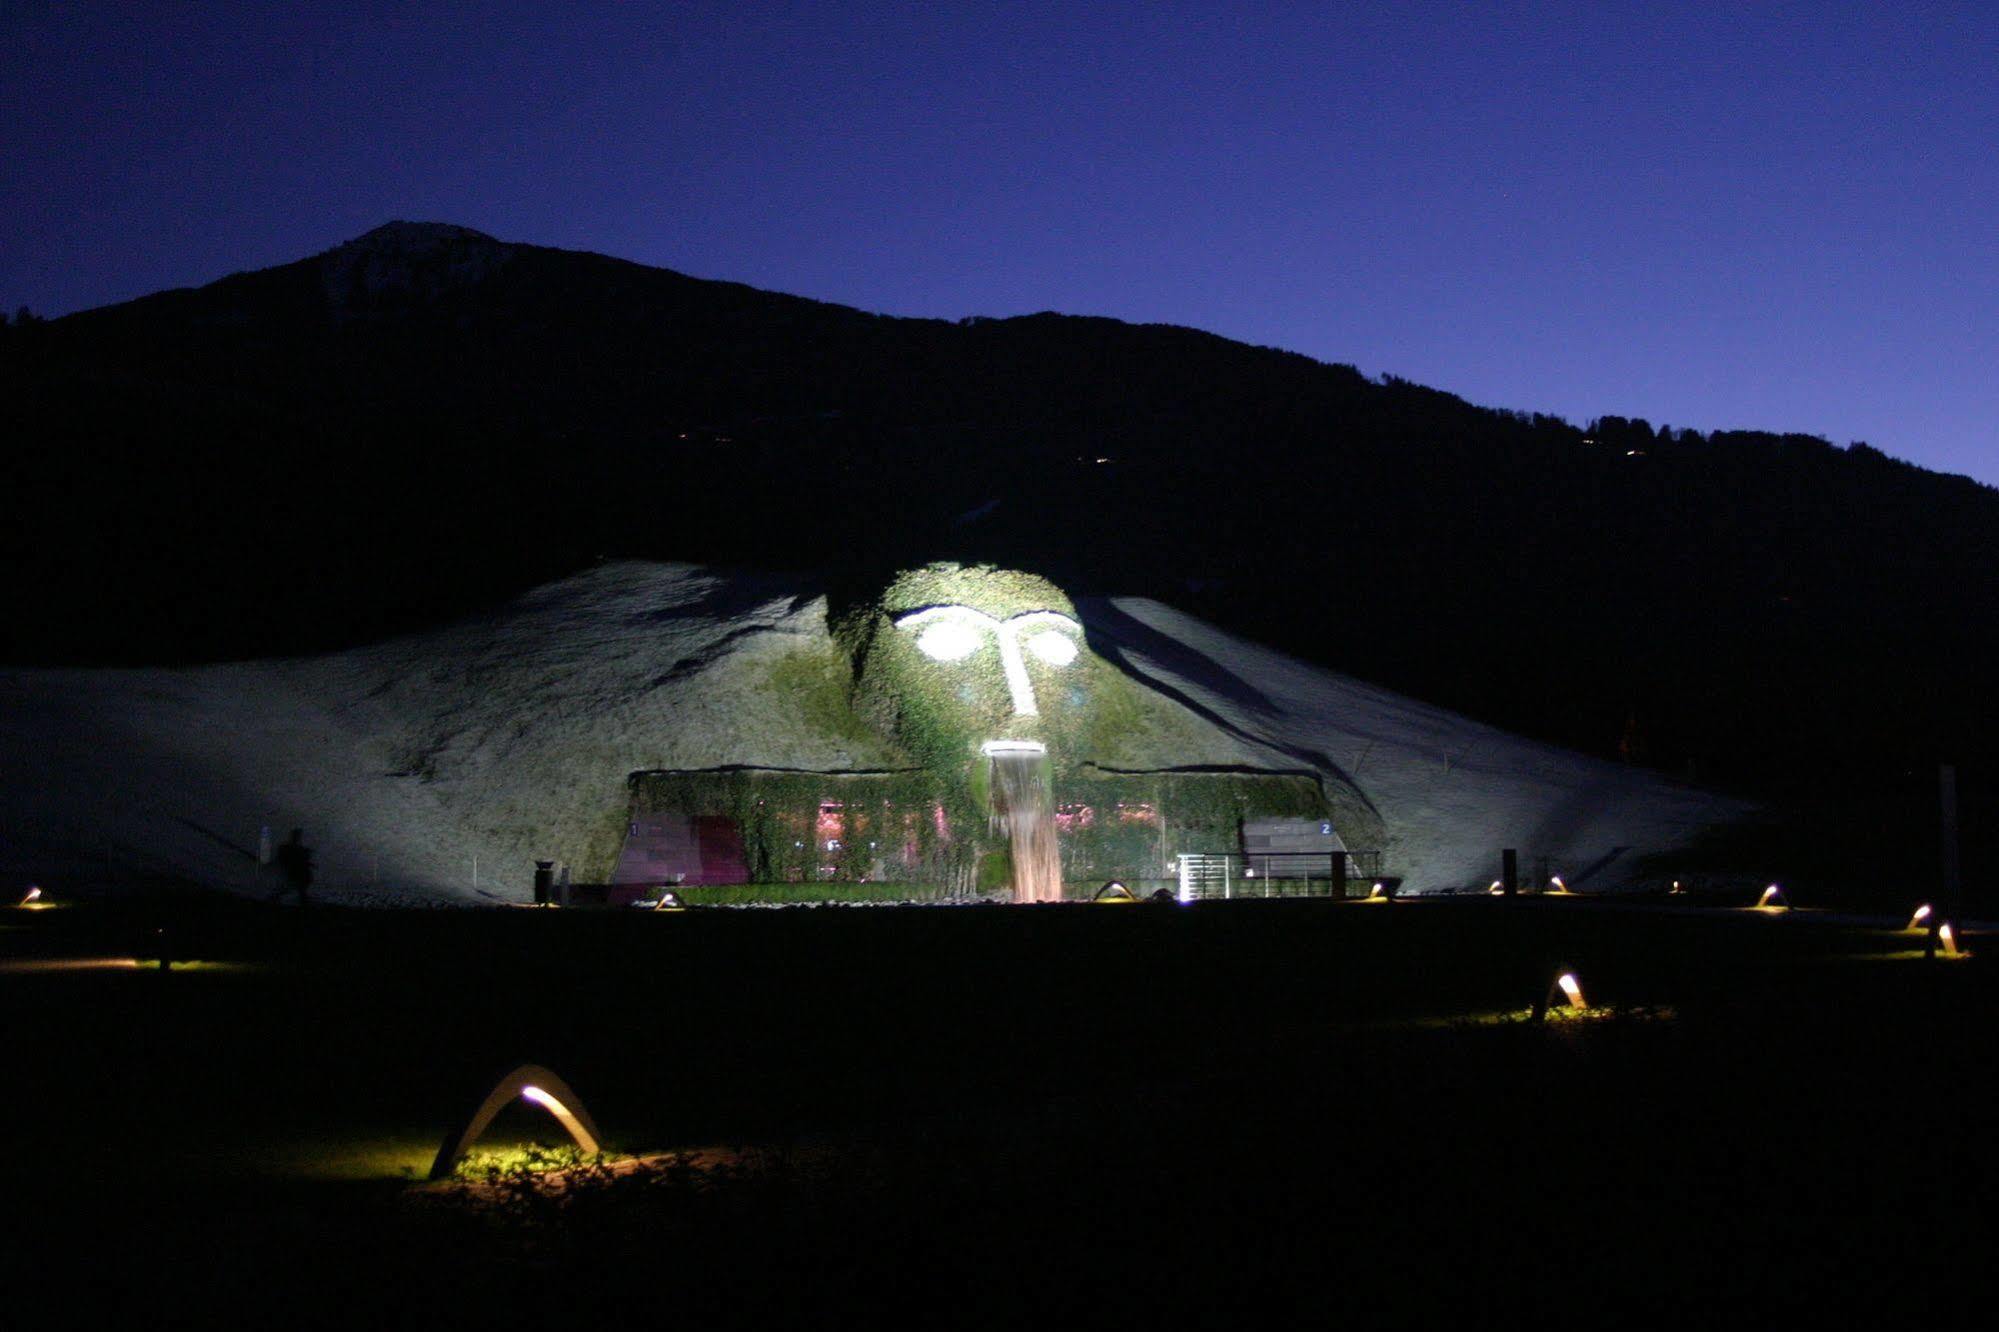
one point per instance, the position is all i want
(1114, 892)
(530, 1082)
(1565, 986)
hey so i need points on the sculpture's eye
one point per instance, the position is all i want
(1053, 648)
(948, 640)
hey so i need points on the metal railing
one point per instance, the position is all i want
(1232, 874)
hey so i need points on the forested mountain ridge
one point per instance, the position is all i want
(426, 419)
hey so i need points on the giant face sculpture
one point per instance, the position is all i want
(951, 658)
(953, 633)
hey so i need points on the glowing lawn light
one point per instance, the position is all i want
(53, 966)
(668, 902)
(586, 1141)
(533, 1083)
(1555, 885)
(1922, 914)
(1773, 896)
(1948, 938)
(33, 895)
(1378, 893)
(1114, 892)
(1569, 986)
(1497, 889)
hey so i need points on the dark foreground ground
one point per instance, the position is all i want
(984, 1115)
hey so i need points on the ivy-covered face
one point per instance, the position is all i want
(950, 659)
(953, 633)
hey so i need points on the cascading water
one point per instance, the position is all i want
(1024, 809)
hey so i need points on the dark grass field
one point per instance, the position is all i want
(994, 1115)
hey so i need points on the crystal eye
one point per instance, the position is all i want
(948, 640)
(1053, 648)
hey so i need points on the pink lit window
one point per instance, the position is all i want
(1068, 818)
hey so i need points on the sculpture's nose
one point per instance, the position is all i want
(1015, 667)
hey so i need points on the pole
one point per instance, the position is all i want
(1509, 872)
(1950, 906)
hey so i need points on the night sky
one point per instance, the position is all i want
(1763, 216)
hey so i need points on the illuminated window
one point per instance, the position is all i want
(1068, 818)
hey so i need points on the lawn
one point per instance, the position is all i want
(1040, 1109)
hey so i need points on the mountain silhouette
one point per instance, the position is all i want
(426, 420)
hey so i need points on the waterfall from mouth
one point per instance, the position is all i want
(1024, 809)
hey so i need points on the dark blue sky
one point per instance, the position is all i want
(1769, 216)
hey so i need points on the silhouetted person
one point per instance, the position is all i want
(295, 863)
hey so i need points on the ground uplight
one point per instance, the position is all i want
(533, 1083)
(1567, 987)
(586, 1141)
